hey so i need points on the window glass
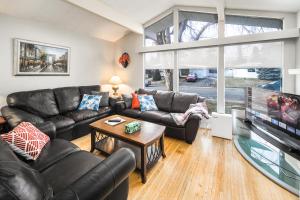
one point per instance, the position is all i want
(159, 70)
(242, 25)
(161, 32)
(251, 65)
(198, 74)
(194, 26)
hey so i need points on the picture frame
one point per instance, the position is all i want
(32, 58)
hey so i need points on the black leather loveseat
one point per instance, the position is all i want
(64, 172)
(167, 102)
(58, 106)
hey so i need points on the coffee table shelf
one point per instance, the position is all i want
(147, 144)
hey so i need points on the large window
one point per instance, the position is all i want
(252, 65)
(160, 32)
(197, 74)
(194, 69)
(242, 25)
(159, 70)
(195, 26)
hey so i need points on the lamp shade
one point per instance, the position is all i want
(115, 80)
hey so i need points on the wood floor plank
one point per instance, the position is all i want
(209, 169)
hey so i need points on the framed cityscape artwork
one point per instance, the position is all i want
(40, 59)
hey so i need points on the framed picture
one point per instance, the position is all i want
(40, 59)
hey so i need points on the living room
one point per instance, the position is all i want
(112, 99)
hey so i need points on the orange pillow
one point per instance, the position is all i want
(135, 101)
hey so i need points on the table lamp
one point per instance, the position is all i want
(115, 81)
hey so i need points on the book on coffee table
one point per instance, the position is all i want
(115, 121)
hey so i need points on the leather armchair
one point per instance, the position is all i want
(102, 180)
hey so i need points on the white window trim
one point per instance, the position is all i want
(285, 35)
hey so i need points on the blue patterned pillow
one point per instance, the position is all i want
(90, 102)
(147, 103)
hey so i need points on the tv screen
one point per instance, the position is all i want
(278, 110)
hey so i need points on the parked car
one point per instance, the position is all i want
(274, 85)
(192, 77)
(147, 82)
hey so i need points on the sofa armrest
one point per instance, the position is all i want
(191, 128)
(120, 106)
(15, 116)
(201, 99)
(48, 128)
(103, 179)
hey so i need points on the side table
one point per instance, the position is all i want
(113, 100)
(221, 125)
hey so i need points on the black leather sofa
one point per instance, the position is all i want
(56, 107)
(167, 102)
(64, 172)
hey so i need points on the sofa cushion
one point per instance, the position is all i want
(167, 120)
(26, 140)
(104, 98)
(163, 100)
(89, 89)
(79, 115)
(90, 102)
(53, 151)
(153, 116)
(67, 98)
(63, 173)
(132, 113)
(135, 101)
(182, 101)
(61, 122)
(147, 92)
(147, 103)
(39, 102)
(23, 182)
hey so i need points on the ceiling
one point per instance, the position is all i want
(144, 10)
(64, 15)
(109, 19)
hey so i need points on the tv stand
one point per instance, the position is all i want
(278, 162)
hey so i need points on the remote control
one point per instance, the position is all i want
(114, 120)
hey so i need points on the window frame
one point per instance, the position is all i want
(284, 35)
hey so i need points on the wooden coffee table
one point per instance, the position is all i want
(147, 144)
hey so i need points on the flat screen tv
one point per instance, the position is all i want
(276, 113)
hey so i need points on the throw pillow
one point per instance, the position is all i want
(26, 140)
(147, 103)
(90, 102)
(135, 101)
(105, 98)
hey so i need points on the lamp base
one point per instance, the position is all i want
(115, 89)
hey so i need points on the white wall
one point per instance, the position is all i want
(132, 76)
(92, 60)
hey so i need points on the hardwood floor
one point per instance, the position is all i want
(210, 168)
